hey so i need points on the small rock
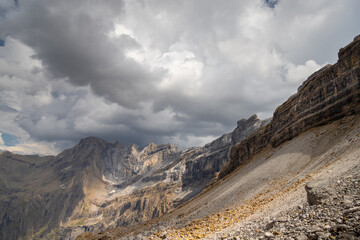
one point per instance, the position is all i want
(276, 232)
(351, 210)
(270, 225)
(281, 219)
(302, 237)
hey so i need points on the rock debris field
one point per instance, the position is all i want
(332, 211)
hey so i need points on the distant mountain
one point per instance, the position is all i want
(96, 185)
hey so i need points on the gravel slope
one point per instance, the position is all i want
(247, 204)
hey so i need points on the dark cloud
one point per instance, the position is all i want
(71, 40)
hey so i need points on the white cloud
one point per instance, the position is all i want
(297, 73)
(1, 140)
(119, 30)
(31, 149)
(184, 71)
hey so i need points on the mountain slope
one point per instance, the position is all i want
(328, 95)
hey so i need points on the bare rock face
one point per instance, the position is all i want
(35, 197)
(246, 127)
(204, 162)
(122, 164)
(328, 95)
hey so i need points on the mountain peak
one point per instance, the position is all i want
(244, 122)
(92, 141)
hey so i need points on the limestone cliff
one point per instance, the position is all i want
(328, 95)
(206, 161)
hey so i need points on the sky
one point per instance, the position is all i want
(162, 71)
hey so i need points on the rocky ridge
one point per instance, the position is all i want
(328, 95)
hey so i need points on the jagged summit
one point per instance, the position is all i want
(91, 139)
(91, 142)
(96, 141)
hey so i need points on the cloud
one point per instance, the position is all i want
(1, 140)
(30, 149)
(177, 71)
(297, 73)
(74, 43)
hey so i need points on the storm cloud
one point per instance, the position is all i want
(156, 71)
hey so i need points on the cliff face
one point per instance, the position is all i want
(328, 95)
(34, 196)
(204, 162)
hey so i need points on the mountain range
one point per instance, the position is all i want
(102, 190)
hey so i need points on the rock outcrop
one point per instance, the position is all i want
(204, 162)
(318, 191)
(328, 95)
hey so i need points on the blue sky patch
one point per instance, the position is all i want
(9, 139)
(2, 43)
(271, 3)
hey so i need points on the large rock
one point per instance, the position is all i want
(318, 191)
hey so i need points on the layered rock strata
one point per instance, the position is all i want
(328, 95)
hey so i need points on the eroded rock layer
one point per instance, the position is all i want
(328, 95)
